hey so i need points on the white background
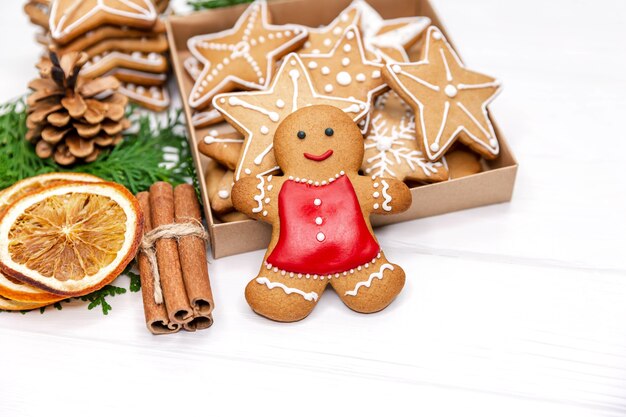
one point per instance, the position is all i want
(511, 310)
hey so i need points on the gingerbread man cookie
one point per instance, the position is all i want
(257, 114)
(242, 57)
(449, 100)
(320, 210)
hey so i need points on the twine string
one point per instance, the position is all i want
(168, 231)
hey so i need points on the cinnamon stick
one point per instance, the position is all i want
(157, 319)
(172, 284)
(199, 323)
(192, 254)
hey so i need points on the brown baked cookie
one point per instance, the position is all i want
(345, 71)
(391, 149)
(389, 38)
(221, 202)
(319, 211)
(257, 114)
(242, 57)
(105, 32)
(462, 163)
(323, 39)
(130, 76)
(225, 148)
(99, 65)
(155, 98)
(71, 18)
(449, 100)
(144, 45)
(205, 118)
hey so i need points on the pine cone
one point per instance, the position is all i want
(72, 118)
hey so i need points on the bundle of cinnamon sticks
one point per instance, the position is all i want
(172, 262)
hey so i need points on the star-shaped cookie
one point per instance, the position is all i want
(346, 72)
(72, 18)
(390, 38)
(241, 57)
(449, 100)
(257, 114)
(323, 39)
(390, 146)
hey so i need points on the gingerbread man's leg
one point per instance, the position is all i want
(286, 298)
(371, 287)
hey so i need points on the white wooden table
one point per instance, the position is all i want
(510, 310)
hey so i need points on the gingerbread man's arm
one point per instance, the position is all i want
(385, 195)
(257, 197)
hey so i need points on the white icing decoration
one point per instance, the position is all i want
(360, 77)
(328, 88)
(120, 59)
(309, 296)
(347, 47)
(368, 282)
(317, 202)
(223, 194)
(259, 198)
(325, 70)
(160, 100)
(235, 101)
(247, 171)
(318, 221)
(320, 237)
(394, 148)
(345, 62)
(386, 196)
(265, 130)
(344, 78)
(312, 65)
(211, 138)
(450, 91)
(280, 103)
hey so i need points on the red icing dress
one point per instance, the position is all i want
(322, 230)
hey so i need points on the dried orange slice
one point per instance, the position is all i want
(18, 291)
(70, 239)
(12, 305)
(18, 190)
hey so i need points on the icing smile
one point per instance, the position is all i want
(319, 158)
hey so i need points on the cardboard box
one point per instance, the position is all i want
(494, 185)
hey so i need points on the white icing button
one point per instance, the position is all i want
(325, 70)
(320, 237)
(450, 90)
(375, 74)
(436, 35)
(328, 88)
(347, 48)
(247, 171)
(396, 68)
(376, 206)
(337, 31)
(344, 78)
(376, 185)
(360, 77)
(265, 130)
(493, 142)
(327, 42)
(317, 202)
(345, 62)
(318, 221)
(312, 65)
(223, 194)
(280, 103)
(434, 147)
(376, 194)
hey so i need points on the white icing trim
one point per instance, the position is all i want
(291, 62)
(322, 277)
(130, 90)
(386, 196)
(368, 283)
(59, 30)
(490, 143)
(309, 296)
(194, 43)
(94, 64)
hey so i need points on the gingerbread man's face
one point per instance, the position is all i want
(317, 142)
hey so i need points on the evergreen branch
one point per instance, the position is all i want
(214, 4)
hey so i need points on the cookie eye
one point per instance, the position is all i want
(301, 134)
(329, 131)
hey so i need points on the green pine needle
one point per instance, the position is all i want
(135, 282)
(214, 4)
(152, 152)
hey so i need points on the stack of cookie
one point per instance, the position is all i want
(422, 113)
(124, 39)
